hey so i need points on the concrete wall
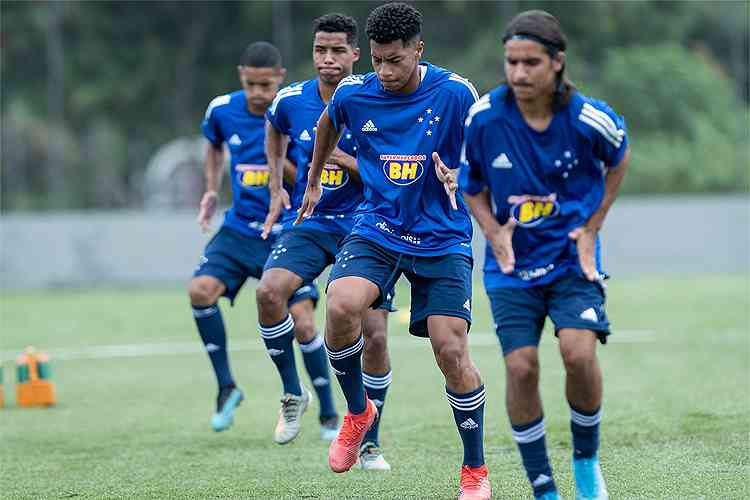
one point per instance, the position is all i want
(685, 234)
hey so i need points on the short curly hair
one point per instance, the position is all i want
(337, 23)
(261, 55)
(394, 21)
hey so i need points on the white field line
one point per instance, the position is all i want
(195, 347)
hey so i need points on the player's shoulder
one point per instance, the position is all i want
(489, 106)
(351, 85)
(595, 117)
(452, 81)
(221, 102)
(289, 94)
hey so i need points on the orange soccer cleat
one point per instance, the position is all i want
(475, 483)
(344, 450)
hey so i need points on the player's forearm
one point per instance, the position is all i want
(214, 162)
(481, 209)
(276, 144)
(612, 182)
(326, 138)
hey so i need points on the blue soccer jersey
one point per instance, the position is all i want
(406, 208)
(551, 182)
(228, 120)
(295, 113)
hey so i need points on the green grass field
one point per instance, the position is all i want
(676, 425)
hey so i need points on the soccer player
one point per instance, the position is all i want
(237, 251)
(551, 160)
(406, 119)
(303, 252)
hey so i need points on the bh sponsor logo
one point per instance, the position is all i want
(530, 211)
(334, 177)
(403, 170)
(252, 176)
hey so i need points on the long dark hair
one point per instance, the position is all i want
(542, 27)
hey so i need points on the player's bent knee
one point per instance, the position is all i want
(204, 290)
(522, 369)
(577, 357)
(268, 294)
(375, 342)
(304, 329)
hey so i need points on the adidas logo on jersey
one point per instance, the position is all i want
(589, 314)
(502, 161)
(275, 352)
(369, 127)
(305, 136)
(469, 424)
(235, 140)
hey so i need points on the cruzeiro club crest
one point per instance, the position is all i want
(530, 210)
(403, 170)
(252, 176)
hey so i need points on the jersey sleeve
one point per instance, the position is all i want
(471, 179)
(336, 106)
(210, 126)
(467, 94)
(606, 131)
(279, 110)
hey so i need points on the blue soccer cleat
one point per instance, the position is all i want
(549, 495)
(589, 480)
(229, 398)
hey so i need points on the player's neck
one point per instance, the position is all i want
(256, 110)
(537, 113)
(326, 90)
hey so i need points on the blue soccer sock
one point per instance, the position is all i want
(278, 339)
(316, 363)
(468, 412)
(211, 329)
(533, 448)
(347, 365)
(376, 387)
(585, 428)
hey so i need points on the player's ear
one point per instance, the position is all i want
(420, 48)
(281, 74)
(357, 53)
(558, 61)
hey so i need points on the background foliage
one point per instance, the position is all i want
(90, 90)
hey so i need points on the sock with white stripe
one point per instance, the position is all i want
(468, 412)
(531, 443)
(211, 329)
(376, 387)
(347, 365)
(316, 363)
(278, 339)
(585, 428)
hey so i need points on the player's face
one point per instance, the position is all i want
(333, 57)
(260, 85)
(530, 70)
(395, 63)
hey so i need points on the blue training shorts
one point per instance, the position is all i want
(307, 252)
(231, 257)
(571, 302)
(439, 285)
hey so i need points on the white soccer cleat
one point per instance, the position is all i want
(290, 416)
(370, 458)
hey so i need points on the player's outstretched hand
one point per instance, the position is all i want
(447, 177)
(501, 242)
(278, 200)
(311, 198)
(207, 209)
(585, 239)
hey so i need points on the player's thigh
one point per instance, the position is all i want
(440, 286)
(519, 315)
(303, 252)
(575, 303)
(225, 260)
(363, 265)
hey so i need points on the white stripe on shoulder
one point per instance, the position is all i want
(458, 78)
(482, 104)
(285, 92)
(217, 101)
(349, 80)
(602, 123)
